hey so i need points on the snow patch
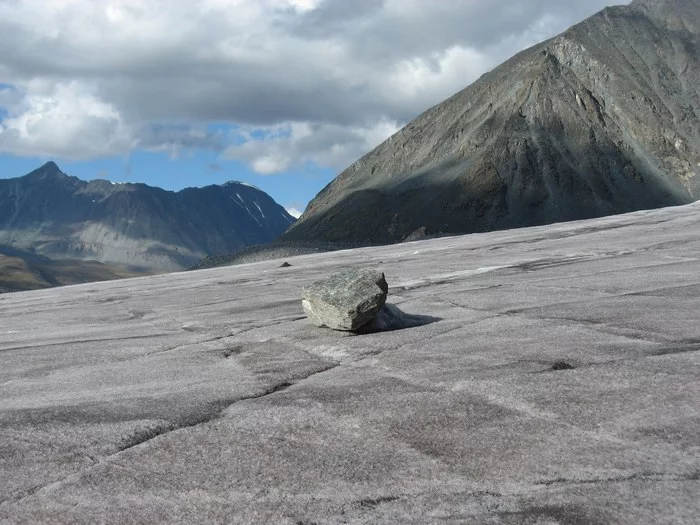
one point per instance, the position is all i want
(235, 182)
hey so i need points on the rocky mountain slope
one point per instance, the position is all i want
(600, 120)
(52, 214)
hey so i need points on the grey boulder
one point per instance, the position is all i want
(345, 301)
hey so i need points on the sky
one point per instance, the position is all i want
(283, 94)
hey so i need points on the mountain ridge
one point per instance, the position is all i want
(132, 224)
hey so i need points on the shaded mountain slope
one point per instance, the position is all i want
(600, 120)
(52, 214)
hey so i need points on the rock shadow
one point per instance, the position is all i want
(390, 318)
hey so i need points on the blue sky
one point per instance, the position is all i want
(283, 94)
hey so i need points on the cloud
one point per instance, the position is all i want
(294, 212)
(336, 76)
(66, 120)
(293, 145)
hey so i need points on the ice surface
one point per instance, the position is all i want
(560, 386)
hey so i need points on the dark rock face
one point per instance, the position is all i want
(600, 120)
(52, 214)
(345, 301)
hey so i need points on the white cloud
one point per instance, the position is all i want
(66, 122)
(269, 164)
(294, 212)
(324, 79)
(294, 145)
(433, 78)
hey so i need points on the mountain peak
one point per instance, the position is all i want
(662, 3)
(238, 182)
(675, 14)
(49, 169)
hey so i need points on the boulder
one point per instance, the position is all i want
(345, 301)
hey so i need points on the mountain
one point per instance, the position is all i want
(49, 213)
(602, 119)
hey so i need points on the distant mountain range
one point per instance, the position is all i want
(602, 119)
(134, 226)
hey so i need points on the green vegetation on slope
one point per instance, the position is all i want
(27, 271)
